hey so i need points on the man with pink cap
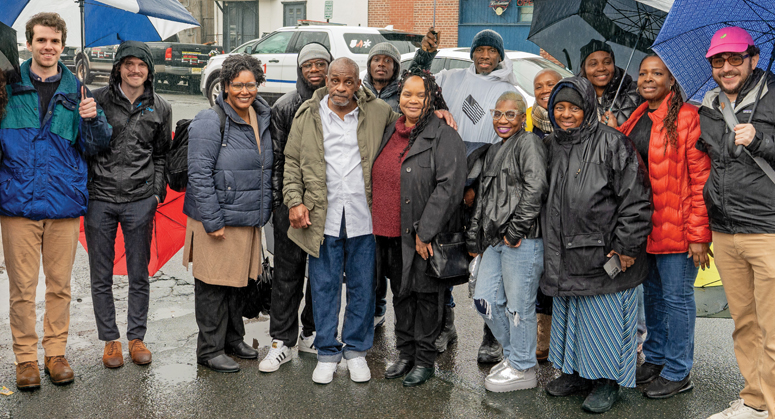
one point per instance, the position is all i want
(740, 197)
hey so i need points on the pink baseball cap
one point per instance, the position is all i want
(729, 39)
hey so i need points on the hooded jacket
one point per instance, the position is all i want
(470, 96)
(43, 169)
(677, 175)
(229, 178)
(738, 195)
(283, 111)
(389, 93)
(133, 168)
(510, 193)
(305, 164)
(599, 200)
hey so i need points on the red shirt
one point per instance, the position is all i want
(386, 183)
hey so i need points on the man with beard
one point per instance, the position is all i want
(738, 195)
(470, 93)
(126, 191)
(384, 65)
(290, 259)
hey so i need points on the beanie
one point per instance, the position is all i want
(594, 46)
(570, 95)
(314, 51)
(385, 48)
(488, 38)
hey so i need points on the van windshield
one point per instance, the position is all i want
(361, 43)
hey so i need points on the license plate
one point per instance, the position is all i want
(196, 71)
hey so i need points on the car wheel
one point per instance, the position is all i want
(213, 90)
(83, 73)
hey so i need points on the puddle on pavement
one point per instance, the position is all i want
(170, 312)
(175, 373)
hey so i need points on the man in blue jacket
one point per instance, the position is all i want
(49, 126)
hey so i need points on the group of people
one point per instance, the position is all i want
(567, 207)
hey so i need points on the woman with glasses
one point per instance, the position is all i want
(505, 230)
(665, 131)
(418, 179)
(228, 200)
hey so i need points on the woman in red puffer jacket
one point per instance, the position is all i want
(665, 131)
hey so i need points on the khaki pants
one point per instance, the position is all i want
(23, 241)
(746, 263)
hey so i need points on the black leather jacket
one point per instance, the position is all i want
(512, 189)
(599, 200)
(738, 195)
(283, 111)
(133, 168)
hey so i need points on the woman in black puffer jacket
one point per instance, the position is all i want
(598, 207)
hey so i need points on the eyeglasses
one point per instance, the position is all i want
(510, 115)
(320, 65)
(237, 87)
(733, 60)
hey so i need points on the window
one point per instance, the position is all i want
(245, 48)
(526, 13)
(455, 63)
(276, 43)
(526, 69)
(305, 37)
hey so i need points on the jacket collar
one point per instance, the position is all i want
(259, 105)
(67, 84)
(744, 99)
(389, 90)
(362, 96)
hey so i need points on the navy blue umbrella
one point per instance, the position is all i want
(688, 29)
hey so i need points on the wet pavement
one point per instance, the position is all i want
(174, 386)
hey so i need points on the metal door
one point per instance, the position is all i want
(240, 23)
(293, 12)
(513, 24)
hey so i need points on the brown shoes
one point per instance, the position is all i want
(113, 357)
(139, 353)
(28, 376)
(58, 370)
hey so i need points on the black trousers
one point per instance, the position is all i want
(218, 312)
(288, 285)
(418, 314)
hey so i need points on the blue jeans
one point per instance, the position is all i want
(670, 314)
(505, 296)
(355, 258)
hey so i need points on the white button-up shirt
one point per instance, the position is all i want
(344, 174)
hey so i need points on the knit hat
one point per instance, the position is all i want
(314, 51)
(594, 46)
(570, 95)
(385, 48)
(488, 38)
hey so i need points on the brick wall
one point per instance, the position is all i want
(416, 16)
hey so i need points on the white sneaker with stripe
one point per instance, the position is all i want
(278, 354)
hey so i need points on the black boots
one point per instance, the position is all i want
(448, 333)
(490, 352)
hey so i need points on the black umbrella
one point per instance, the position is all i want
(562, 27)
(9, 54)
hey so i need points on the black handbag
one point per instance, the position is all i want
(450, 254)
(258, 293)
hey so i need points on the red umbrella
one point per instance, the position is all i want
(169, 233)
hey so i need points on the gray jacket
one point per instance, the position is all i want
(389, 94)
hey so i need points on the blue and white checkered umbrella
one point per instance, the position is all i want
(106, 22)
(689, 27)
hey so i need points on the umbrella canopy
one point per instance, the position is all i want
(686, 34)
(107, 22)
(169, 233)
(9, 54)
(562, 27)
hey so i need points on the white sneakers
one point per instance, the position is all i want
(307, 344)
(509, 378)
(738, 410)
(278, 355)
(324, 372)
(359, 369)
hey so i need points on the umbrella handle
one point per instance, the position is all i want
(739, 148)
(621, 82)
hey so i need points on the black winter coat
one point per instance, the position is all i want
(389, 93)
(429, 199)
(511, 192)
(740, 198)
(599, 200)
(628, 100)
(283, 111)
(133, 168)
